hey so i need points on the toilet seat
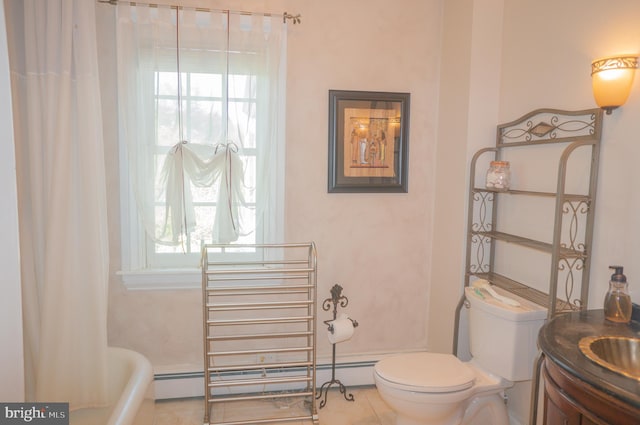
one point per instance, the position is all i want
(426, 372)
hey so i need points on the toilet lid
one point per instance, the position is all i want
(426, 372)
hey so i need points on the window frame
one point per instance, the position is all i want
(137, 272)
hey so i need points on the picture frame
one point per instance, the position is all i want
(368, 141)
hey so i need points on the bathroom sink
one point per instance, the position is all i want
(617, 353)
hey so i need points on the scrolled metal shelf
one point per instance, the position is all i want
(527, 292)
(569, 197)
(531, 243)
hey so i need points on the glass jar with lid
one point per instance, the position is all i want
(498, 175)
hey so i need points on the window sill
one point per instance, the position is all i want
(161, 279)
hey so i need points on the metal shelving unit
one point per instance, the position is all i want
(569, 247)
(259, 319)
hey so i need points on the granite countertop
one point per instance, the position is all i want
(558, 340)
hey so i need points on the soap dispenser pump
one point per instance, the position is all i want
(617, 302)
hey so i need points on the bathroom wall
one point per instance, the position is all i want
(377, 246)
(543, 59)
(544, 56)
(400, 256)
(549, 46)
(468, 113)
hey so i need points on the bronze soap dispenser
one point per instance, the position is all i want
(617, 302)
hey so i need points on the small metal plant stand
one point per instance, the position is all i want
(336, 298)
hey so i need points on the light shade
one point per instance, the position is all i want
(612, 79)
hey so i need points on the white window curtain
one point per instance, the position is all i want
(152, 41)
(62, 198)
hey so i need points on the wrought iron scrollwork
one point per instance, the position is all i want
(570, 267)
(337, 299)
(550, 129)
(481, 224)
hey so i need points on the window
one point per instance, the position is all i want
(203, 112)
(224, 101)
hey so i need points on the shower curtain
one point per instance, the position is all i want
(62, 198)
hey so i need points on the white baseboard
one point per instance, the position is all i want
(191, 384)
(178, 385)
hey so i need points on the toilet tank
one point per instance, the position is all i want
(503, 338)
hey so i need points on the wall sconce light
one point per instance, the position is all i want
(612, 78)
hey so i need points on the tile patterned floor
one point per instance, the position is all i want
(367, 409)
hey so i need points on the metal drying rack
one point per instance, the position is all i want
(259, 332)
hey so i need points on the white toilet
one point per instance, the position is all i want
(439, 389)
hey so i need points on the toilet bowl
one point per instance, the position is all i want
(439, 389)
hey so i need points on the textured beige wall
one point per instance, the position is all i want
(377, 246)
(469, 87)
(501, 59)
(547, 49)
(400, 256)
(549, 46)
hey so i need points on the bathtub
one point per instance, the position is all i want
(131, 396)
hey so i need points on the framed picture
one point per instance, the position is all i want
(368, 141)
